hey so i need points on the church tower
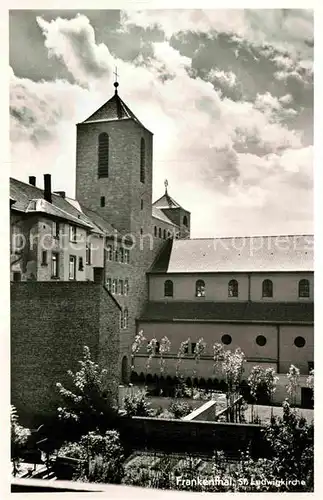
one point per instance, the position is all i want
(177, 214)
(114, 166)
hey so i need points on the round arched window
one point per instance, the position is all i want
(226, 339)
(299, 341)
(261, 340)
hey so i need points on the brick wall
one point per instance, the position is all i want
(50, 324)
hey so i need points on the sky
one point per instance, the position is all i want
(228, 95)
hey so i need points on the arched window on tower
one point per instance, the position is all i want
(164, 234)
(267, 288)
(159, 232)
(304, 288)
(233, 288)
(185, 221)
(200, 288)
(155, 230)
(103, 155)
(142, 160)
(168, 288)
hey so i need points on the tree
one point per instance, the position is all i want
(19, 437)
(86, 405)
(183, 349)
(218, 354)
(151, 350)
(200, 348)
(255, 381)
(293, 376)
(270, 382)
(164, 348)
(136, 346)
(262, 382)
(233, 368)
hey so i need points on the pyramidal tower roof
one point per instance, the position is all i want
(166, 201)
(112, 110)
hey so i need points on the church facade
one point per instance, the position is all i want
(256, 294)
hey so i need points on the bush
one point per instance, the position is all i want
(291, 440)
(102, 457)
(137, 405)
(180, 410)
(87, 404)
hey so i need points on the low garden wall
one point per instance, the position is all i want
(192, 436)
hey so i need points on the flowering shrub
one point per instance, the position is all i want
(86, 405)
(101, 457)
(19, 437)
(293, 376)
(137, 405)
(180, 410)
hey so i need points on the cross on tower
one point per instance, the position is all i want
(116, 73)
(116, 84)
(166, 185)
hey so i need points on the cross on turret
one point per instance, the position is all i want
(116, 84)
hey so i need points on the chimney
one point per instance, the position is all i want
(32, 180)
(62, 194)
(47, 188)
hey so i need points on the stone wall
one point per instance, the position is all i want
(50, 324)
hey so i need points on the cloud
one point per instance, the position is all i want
(286, 30)
(220, 155)
(227, 78)
(73, 41)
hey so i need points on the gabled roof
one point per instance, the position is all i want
(230, 255)
(114, 109)
(230, 312)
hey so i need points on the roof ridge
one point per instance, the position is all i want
(252, 236)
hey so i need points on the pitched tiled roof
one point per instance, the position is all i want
(114, 109)
(107, 228)
(252, 254)
(31, 199)
(157, 213)
(288, 312)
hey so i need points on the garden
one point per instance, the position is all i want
(84, 441)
